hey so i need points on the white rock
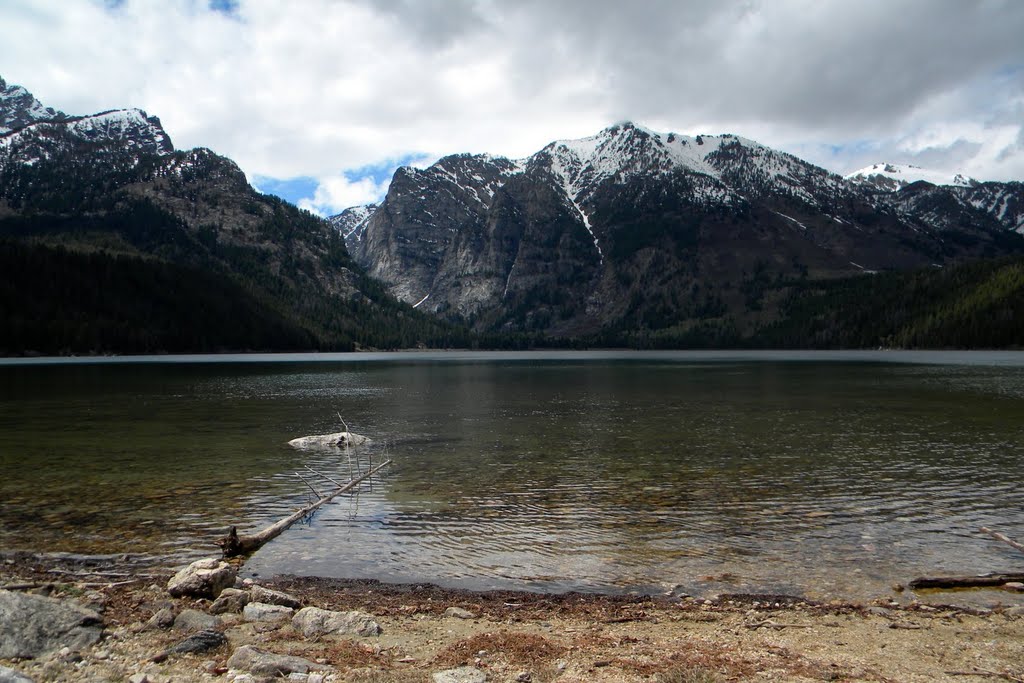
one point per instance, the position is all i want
(336, 440)
(464, 674)
(314, 622)
(204, 578)
(260, 611)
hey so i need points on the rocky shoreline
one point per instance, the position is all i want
(207, 625)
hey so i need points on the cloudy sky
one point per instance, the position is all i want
(320, 100)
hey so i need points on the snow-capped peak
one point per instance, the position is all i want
(19, 108)
(352, 221)
(894, 176)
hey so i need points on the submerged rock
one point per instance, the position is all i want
(32, 625)
(205, 578)
(314, 622)
(336, 440)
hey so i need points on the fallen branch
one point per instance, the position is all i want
(233, 545)
(1000, 537)
(982, 581)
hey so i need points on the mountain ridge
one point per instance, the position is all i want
(108, 196)
(505, 244)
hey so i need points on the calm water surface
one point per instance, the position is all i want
(823, 474)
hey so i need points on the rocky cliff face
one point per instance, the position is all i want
(635, 228)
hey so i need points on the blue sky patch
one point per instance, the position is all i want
(290, 189)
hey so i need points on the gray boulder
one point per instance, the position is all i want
(200, 642)
(231, 600)
(162, 619)
(259, 611)
(261, 662)
(12, 676)
(193, 620)
(314, 622)
(272, 597)
(204, 578)
(33, 625)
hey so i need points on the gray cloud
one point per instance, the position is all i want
(320, 86)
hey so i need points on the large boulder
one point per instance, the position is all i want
(315, 622)
(12, 676)
(32, 625)
(204, 578)
(263, 663)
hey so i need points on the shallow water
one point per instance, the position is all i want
(822, 474)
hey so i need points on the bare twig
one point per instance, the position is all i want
(768, 623)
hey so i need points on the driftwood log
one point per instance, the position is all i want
(981, 581)
(234, 545)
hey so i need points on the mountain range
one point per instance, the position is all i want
(631, 229)
(111, 240)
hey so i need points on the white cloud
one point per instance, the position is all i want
(320, 86)
(337, 193)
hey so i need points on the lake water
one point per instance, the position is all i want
(827, 474)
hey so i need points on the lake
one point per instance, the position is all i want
(820, 473)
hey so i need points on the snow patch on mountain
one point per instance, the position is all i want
(892, 177)
(19, 108)
(351, 222)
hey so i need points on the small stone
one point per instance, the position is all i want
(464, 674)
(1015, 586)
(260, 611)
(204, 578)
(193, 620)
(139, 678)
(272, 597)
(524, 677)
(459, 613)
(561, 665)
(1017, 611)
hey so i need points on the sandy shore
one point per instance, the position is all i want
(510, 636)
